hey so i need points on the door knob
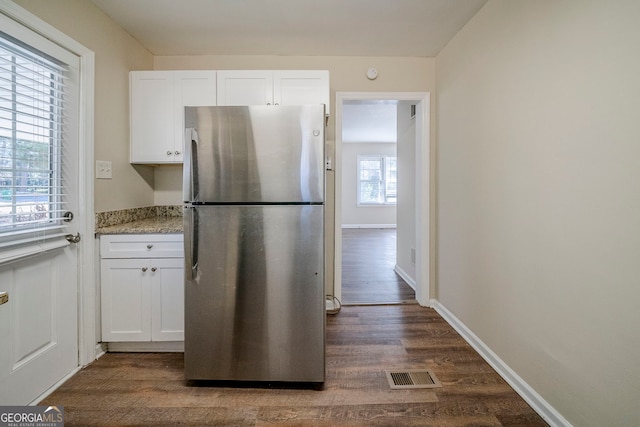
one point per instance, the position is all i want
(72, 239)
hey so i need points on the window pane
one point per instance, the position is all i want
(391, 180)
(370, 192)
(370, 170)
(377, 180)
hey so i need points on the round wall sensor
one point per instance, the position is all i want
(372, 73)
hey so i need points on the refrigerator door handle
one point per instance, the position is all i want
(190, 187)
(191, 243)
(194, 244)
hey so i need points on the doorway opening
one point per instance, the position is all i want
(396, 235)
(369, 273)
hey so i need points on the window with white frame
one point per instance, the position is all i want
(377, 180)
(32, 130)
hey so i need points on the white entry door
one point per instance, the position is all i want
(38, 325)
(39, 146)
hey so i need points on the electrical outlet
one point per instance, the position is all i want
(328, 164)
(103, 169)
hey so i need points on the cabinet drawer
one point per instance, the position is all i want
(141, 246)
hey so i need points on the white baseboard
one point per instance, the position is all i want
(410, 280)
(156, 346)
(541, 406)
(101, 349)
(369, 226)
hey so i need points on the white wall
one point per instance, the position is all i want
(363, 216)
(539, 197)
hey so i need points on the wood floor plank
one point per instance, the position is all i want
(368, 262)
(140, 389)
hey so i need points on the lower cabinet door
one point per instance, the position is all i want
(167, 299)
(126, 299)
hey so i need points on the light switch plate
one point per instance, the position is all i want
(103, 169)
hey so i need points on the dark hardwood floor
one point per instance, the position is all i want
(368, 260)
(140, 389)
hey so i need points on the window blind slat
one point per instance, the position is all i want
(44, 113)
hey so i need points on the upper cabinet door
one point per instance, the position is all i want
(192, 89)
(299, 87)
(245, 87)
(157, 102)
(152, 116)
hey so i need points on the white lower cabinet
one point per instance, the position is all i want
(142, 299)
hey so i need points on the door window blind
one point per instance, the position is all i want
(32, 131)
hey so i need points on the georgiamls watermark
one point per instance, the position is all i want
(31, 416)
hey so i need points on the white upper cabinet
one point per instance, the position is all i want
(280, 87)
(151, 109)
(245, 87)
(192, 89)
(301, 87)
(157, 101)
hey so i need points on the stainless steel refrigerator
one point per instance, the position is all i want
(254, 243)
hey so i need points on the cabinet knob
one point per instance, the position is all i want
(177, 153)
(169, 153)
(149, 246)
(153, 269)
(268, 103)
(144, 269)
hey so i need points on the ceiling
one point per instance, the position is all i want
(413, 28)
(369, 121)
(408, 28)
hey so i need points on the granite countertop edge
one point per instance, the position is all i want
(162, 225)
(148, 220)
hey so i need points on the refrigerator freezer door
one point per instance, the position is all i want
(254, 293)
(255, 154)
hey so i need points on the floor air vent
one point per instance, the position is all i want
(412, 378)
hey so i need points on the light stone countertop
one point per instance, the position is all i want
(160, 224)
